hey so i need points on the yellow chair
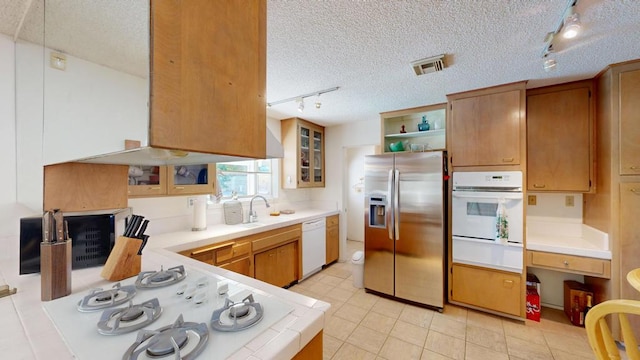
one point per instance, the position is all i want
(600, 338)
(633, 277)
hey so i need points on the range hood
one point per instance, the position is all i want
(156, 156)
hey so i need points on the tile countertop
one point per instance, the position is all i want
(183, 240)
(566, 237)
(282, 340)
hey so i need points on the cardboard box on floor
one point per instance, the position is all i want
(573, 288)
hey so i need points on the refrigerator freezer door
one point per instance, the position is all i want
(378, 244)
(419, 250)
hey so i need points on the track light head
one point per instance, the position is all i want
(550, 64)
(300, 102)
(571, 26)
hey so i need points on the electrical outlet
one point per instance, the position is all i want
(531, 200)
(190, 201)
(569, 201)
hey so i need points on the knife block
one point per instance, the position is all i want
(55, 270)
(124, 261)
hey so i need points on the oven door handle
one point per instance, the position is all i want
(470, 195)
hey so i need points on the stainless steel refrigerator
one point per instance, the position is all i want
(405, 228)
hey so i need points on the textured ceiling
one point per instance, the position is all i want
(366, 47)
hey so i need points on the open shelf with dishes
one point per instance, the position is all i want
(401, 129)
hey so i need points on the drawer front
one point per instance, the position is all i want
(230, 252)
(276, 239)
(204, 256)
(333, 220)
(570, 263)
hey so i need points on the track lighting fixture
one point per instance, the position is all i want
(569, 25)
(300, 99)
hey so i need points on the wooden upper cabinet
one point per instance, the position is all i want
(191, 179)
(303, 161)
(630, 122)
(486, 127)
(83, 187)
(559, 137)
(208, 82)
(147, 180)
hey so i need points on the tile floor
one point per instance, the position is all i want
(365, 326)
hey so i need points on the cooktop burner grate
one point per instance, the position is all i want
(180, 340)
(156, 279)
(133, 317)
(237, 316)
(101, 299)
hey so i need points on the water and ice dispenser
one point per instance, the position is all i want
(377, 211)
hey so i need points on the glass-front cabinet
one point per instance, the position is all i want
(415, 129)
(303, 162)
(171, 180)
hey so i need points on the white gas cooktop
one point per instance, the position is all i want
(79, 329)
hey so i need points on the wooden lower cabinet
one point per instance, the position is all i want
(487, 288)
(272, 256)
(313, 349)
(333, 239)
(277, 266)
(231, 255)
(240, 266)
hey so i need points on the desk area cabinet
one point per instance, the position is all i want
(560, 153)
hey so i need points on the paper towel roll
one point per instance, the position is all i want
(199, 215)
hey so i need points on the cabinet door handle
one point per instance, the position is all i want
(634, 168)
(566, 263)
(154, 188)
(271, 255)
(635, 191)
(507, 283)
(507, 159)
(178, 187)
(542, 186)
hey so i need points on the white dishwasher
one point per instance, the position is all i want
(314, 251)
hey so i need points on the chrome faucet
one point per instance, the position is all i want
(253, 216)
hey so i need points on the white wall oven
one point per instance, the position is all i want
(487, 219)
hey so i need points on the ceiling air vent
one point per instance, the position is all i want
(429, 65)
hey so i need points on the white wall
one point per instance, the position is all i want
(7, 136)
(29, 112)
(366, 132)
(354, 189)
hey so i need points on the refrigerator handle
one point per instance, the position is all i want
(389, 204)
(396, 204)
